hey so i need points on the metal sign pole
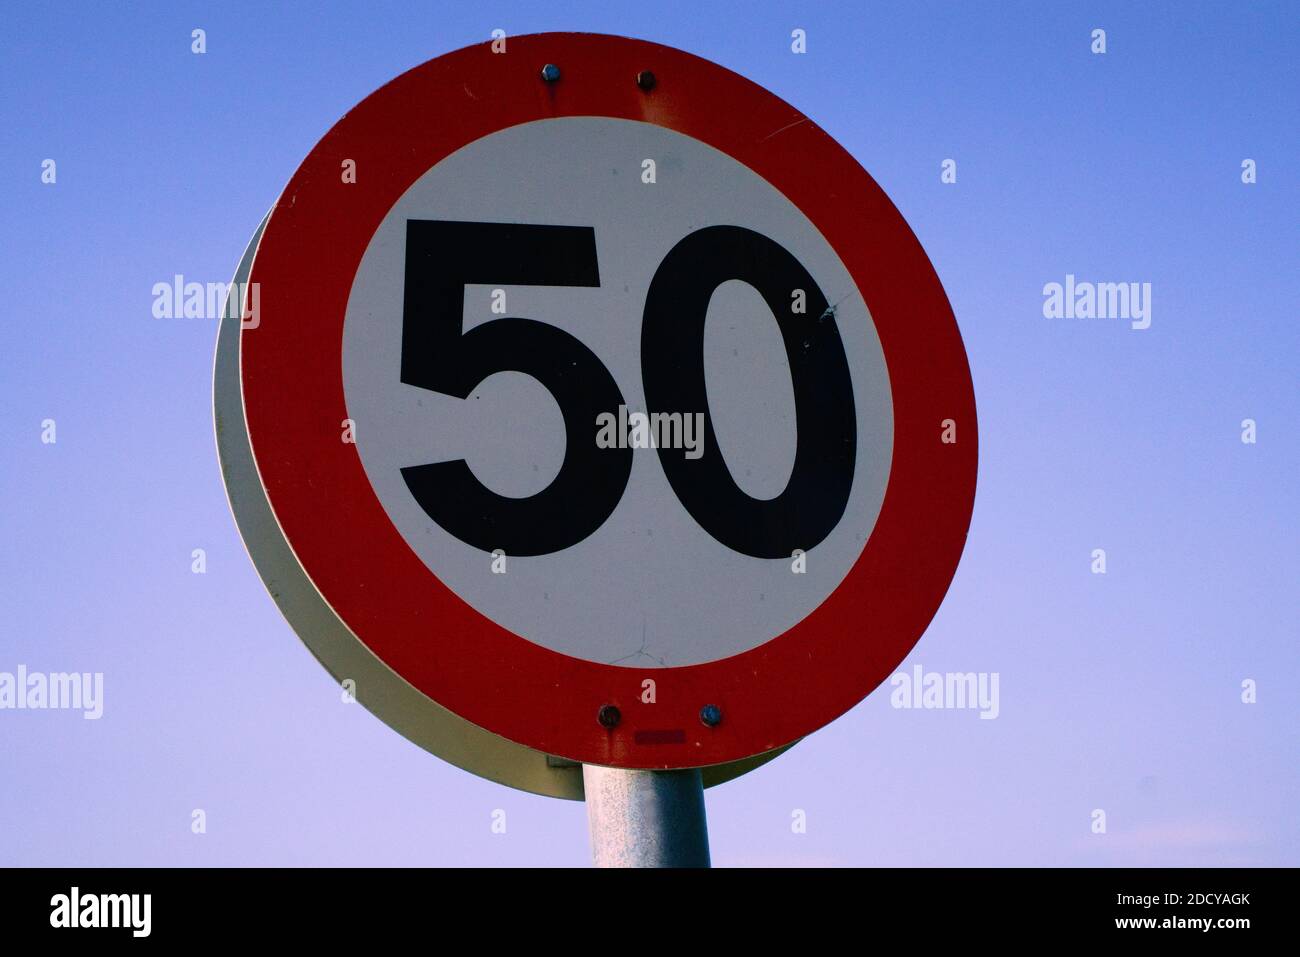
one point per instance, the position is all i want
(646, 818)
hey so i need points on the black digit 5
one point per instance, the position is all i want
(442, 257)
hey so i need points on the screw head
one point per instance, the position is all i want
(646, 80)
(609, 716)
(550, 73)
(711, 715)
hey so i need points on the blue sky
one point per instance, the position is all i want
(1118, 692)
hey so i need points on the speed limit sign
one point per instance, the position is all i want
(607, 403)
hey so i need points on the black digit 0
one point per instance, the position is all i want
(672, 368)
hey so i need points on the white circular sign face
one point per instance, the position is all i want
(650, 586)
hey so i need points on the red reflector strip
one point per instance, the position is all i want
(660, 737)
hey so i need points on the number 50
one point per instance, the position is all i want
(442, 257)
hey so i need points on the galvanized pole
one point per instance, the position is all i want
(646, 818)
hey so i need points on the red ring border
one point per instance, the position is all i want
(291, 373)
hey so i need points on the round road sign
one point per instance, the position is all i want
(626, 421)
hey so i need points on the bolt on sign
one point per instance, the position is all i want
(600, 408)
